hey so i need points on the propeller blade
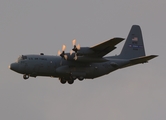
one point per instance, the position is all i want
(71, 52)
(75, 58)
(59, 52)
(63, 48)
(74, 42)
(65, 56)
(78, 47)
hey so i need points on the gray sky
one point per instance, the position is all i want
(34, 26)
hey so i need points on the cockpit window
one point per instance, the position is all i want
(22, 57)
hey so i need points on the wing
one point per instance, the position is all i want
(104, 48)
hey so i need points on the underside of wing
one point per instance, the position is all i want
(104, 48)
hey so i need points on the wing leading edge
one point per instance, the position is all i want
(105, 47)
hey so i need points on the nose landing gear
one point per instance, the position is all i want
(25, 76)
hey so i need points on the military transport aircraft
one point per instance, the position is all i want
(85, 62)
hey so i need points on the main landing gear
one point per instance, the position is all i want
(25, 76)
(63, 81)
(70, 80)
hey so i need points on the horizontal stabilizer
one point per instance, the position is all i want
(143, 59)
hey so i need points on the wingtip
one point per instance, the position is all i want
(118, 38)
(155, 56)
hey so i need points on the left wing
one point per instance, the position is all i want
(104, 48)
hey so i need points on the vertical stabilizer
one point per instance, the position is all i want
(134, 46)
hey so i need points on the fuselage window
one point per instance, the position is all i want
(42, 59)
(24, 57)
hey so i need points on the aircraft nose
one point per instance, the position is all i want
(13, 66)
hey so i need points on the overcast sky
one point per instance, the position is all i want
(35, 26)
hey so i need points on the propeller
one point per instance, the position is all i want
(62, 54)
(76, 48)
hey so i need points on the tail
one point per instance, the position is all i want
(134, 46)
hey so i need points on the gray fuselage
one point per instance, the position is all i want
(55, 66)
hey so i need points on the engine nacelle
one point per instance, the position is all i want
(84, 51)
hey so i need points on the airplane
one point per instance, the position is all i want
(85, 62)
